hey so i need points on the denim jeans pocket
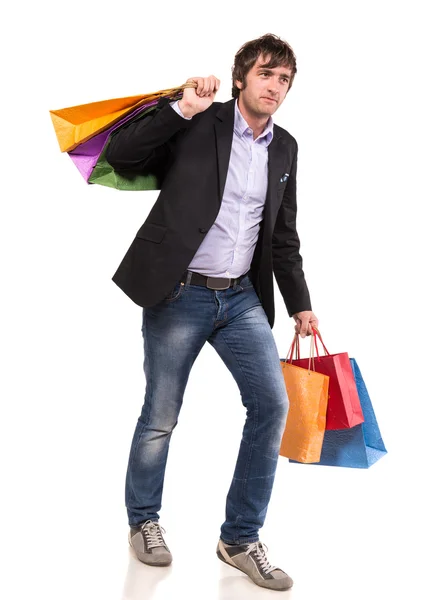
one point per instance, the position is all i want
(175, 293)
(245, 283)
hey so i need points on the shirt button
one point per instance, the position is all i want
(227, 273)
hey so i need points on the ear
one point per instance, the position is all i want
(238, 84)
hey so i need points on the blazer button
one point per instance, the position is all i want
(201, 230)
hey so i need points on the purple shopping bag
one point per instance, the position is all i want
(86, 155)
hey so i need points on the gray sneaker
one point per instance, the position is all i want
(252, 560)
(149, 545)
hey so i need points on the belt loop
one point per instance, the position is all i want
(188, 278)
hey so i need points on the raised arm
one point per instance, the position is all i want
(145, 144)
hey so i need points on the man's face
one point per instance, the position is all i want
(265, 89)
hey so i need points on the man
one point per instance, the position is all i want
(201, 266)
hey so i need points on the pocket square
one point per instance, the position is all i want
(284, 178)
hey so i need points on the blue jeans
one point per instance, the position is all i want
(174, 331)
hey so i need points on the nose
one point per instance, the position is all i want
(273, 86)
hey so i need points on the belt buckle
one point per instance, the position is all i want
(217, 282)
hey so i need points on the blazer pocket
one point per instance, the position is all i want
(152, 232)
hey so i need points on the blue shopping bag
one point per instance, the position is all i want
(358, 447)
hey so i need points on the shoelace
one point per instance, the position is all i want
(154, 534)
(258, 549)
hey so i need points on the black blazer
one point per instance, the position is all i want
(191, 159)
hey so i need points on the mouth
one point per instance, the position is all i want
(269, 99)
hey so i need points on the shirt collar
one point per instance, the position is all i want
(242, 128)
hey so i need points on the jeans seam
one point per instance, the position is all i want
(132, 457)
(255, 424)
(145, 424)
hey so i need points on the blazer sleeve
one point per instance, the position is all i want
(145, 145)
(287, 261)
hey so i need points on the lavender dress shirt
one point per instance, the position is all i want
(229, 245)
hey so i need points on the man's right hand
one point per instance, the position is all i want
(196, 100)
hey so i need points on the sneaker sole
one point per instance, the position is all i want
(150, 564)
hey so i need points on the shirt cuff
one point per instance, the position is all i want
(175, 106)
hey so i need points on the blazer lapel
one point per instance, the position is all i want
(276, 168)
(224, 138)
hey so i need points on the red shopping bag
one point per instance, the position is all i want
(344, 409)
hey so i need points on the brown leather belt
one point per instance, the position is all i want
(213, 283)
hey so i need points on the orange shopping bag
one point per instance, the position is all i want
(78, 124)
(308, 397)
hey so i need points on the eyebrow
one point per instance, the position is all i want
(268, 70)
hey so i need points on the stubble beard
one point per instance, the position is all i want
(258, 109)
(261, 113)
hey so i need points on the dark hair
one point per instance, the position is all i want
(279, 54)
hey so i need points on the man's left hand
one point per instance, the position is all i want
(305, 320)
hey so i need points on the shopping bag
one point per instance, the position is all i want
(77, 124)
(358, 447)
(308, 394)
(344, 409)
(85, 156)
(104, 174)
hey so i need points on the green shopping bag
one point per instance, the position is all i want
(104, 174)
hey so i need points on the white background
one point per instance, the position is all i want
(72, 378)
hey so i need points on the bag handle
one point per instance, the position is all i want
(294, 348)
(318, 335)
(176, 90)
